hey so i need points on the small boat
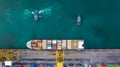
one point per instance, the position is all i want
(78, 20)
(34, 44)
(36, 14)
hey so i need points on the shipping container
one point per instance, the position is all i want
(32, 65)
(75, 44)
(65, 65)
(104, 65)
(36, 65)
(72, 44)
(117, 65)
(113, 65)
(17, 65)
(45, 65)
(69, 44)
(54, 42)
(49, 65)
(54, 65)
(6, 66)
(20, 65)
(59, 44)
(80, 44)
(44, 44)
(54, 47)
(80, 66)
(98, 65)
(49, 42)
(40, 65)
(64, 46)
(25, 65)
(71, 65)
(49, 46)
(0, 64)
(39, 44)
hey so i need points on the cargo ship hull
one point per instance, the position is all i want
(55, 44)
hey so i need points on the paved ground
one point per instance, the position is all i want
(89, 56)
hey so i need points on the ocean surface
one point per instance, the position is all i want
(100, 25)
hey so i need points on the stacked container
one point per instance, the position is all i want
(103, 65)
(26, 65)
(32, 65)
(45, 65)
(117, 65)
(72, 44)
(65, 65)
(49, 65)
(71, 65)
(80, 65)
(75, 44)
(64, 45)
(39, 42)
(69, 44)
(17, 65)
(44, 44)
(59, 44)
(54, 44)
(49, 44)
(40, 65)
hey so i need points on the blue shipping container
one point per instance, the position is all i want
(71, 65)
(65, 65)
(15, 65)
(36, 65)
(6, 66)
(49, 65)
(44, 65)
(32, 65)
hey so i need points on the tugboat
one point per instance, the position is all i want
(78, 20)
(36, 14)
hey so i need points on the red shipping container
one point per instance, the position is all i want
(103, 65)
(20, 65)
(54, 47)
(38, 41)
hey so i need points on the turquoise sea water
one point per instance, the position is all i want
(100, 27)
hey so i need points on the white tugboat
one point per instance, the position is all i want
(78, 20)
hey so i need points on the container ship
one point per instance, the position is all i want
(55, 44)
